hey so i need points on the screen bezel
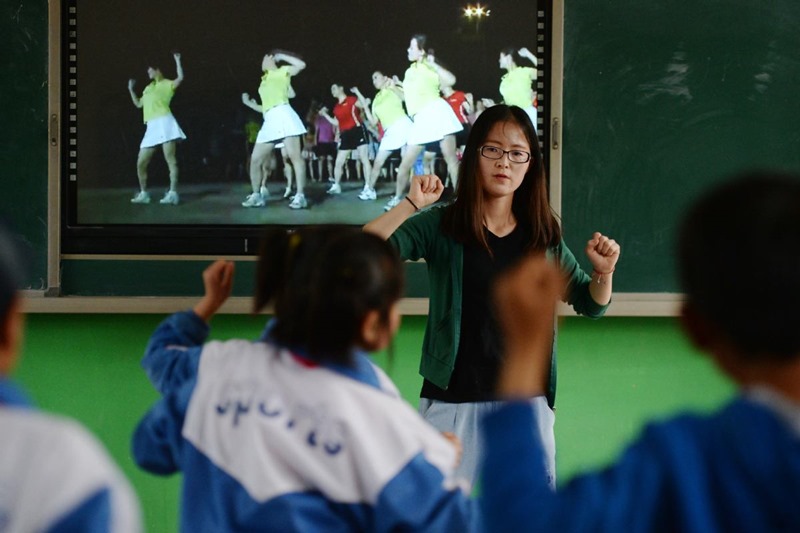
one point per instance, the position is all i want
(193, 240)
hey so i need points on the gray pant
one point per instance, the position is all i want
(464, 420)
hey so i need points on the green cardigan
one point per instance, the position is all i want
(421, 237)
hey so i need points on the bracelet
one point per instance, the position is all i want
(412, 203)
(601, 274)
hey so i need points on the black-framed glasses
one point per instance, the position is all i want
(515, 156)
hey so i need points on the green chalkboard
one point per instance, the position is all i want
(663, 98)
(23, 135)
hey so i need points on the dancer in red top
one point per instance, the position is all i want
(347, 117)
(462, 104)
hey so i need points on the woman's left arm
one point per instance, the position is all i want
(527, 54)
(179, 69)
(446, 78)
(603, 253)
(295, 63)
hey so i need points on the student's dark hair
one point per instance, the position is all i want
(11, 271)
(739, 259)
(323, 282)
(463, 219)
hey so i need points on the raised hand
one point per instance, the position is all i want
(218, 282)
(425, 190)
(603, 253)
(525, 299)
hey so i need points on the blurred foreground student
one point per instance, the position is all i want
(54, 475)
(298, 431)
(735, 470)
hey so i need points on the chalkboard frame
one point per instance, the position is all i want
(551, 93)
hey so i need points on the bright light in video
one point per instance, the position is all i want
(476, 11)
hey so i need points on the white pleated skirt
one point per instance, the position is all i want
(433, 122)
(396, 135)
(160, 130)
(279, 122)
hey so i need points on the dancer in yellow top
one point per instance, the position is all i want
(162, 129)
(281, 123)
(433, 119)
(387, 109)
(515, 85)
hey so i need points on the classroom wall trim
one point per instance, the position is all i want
(623, 304)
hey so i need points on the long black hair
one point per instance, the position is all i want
(463, 219)
(323, 281)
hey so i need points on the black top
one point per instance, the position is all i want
(479, 346)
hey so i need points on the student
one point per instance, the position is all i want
(501, 213)
(734, 470)
(162, 130)
(298, 431)
(54, 475)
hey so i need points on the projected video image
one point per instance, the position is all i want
(245, 112)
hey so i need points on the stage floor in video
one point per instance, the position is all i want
(221, 204)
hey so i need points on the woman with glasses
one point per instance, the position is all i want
(501, 213)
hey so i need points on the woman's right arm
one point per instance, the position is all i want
(424, 191)
(134, 98)
(362, 100)
(323, 112)
(251, 103)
